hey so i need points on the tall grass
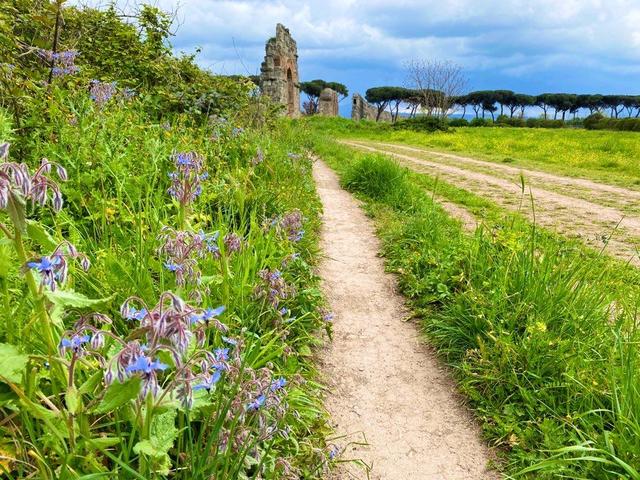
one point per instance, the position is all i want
(78, 425)
(539, 332)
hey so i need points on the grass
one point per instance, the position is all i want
(607, 156)
(540, 331)
(61, 417)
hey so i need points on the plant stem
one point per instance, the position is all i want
(35, 293)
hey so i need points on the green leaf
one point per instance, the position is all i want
(16, 208)
(118, 394)
(73, 399)
(12, 363)
(163, 434)
(39, 234)
(69, 298)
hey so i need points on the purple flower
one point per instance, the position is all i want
(101, 92)
(258, 159)
(209, 381)
(185, 181)
(278, 384)
(145, 365)
(232, 242)
(257, 403)
(75, 343)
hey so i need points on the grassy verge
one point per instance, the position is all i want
(540, 332)
(607, 156)
(161, 382)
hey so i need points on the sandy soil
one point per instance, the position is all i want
(572, 216)
(385, 387)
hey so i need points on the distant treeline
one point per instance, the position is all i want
(506, 102)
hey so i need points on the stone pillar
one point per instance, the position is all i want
(328, 103)
(279, 77)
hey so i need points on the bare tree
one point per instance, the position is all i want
(437, 84)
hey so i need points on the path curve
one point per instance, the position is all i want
(567, 214)
(384, 384)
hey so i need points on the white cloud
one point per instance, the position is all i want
(512, 38)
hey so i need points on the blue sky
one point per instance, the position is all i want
(531, 46)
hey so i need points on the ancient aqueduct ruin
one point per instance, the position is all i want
(279, 80)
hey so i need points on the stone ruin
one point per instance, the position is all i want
(279, 78)
(362, 110)
(328, 103)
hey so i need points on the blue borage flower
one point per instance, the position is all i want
(273, 288)
(101, 92)
(183, 249)
(269, 396)
(145, 365)
(63, 63)
(208, 314)
(209, 381)
(257, 403)
(74, 343)
(53, 268)
(185, 180)
(135, 314)
(278, 384)
(289, 225)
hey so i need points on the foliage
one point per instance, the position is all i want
(423, 123)
(138, 342)
(598, 121)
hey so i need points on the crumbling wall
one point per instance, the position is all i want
(362, 110)
(279, 77)
(328, 103)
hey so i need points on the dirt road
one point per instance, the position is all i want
(574, 207)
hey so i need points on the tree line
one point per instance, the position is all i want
(502, 102)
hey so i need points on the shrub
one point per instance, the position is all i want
(422, 124)
(458, 122)
(597, 121)
(544, 123)
(480, 122)
(510, 121)
(592, 121)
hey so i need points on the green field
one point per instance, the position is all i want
(608, 156)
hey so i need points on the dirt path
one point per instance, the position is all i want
(572, 216)
(624, 199)
(385, 385)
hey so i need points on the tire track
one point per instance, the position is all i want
(571, 216)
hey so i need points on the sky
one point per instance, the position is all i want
(529, 46)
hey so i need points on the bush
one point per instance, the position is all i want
(591, 122)
(422, 124)
(597, 121)
(544, 123)
(510, 121)
(458, 122)
(480, 122)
